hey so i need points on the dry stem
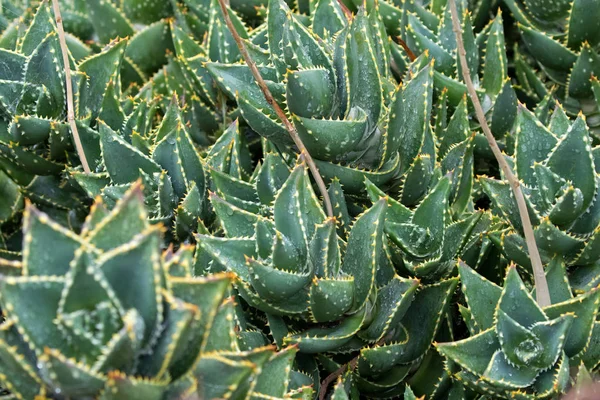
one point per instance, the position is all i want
(335, 375)
(280, 113)
(70, 107)
(541, 285)
(345, 9)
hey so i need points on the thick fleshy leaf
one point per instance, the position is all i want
(585, 307)
(133, 271)
(297, 211)
(365, 245)
(364, 81)
(481, 295)
(330, 298)
(392, 302)
(572, 160)
(317, 340)
(409, 117)
(430, 302)
(495, 66)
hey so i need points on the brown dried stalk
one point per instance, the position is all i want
(335, 375)
(70, 107)
(345, 9)
(541, 284)
(286, 122)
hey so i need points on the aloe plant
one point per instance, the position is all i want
(517, 349)
(563, 41)
(81, 322)
(559, 178)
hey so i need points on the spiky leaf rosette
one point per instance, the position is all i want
(339, 94)
(320, 291)
(165, 157)
(563, 39)
(517, 349)
(557, 168)
(105, 315)
(486, 59)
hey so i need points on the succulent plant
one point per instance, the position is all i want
(556, 165)
(103, 316)
(563, 39)
(337, 91)
(312, 284)
(196, 259)
(517, 349)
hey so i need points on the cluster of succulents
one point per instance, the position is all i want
(198, 259)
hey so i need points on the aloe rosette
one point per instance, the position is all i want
(338, 92)
(563, 41)
(517, 349)
(557, 168)
(106, 315)
(311, 284)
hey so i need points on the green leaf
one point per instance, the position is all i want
(585, 307)
(32, 302)
(324, 250)
(481, 295)
(474, 353)
(220, 376)
(365, 245)
(171, 344)
(330, 298)
(328, 18)
(364, 80)
(505, 111)
(583, 24)
(275, 284)
(534, 143)
(297, 211)
(109, 21)
(310, 92)
(124, 222)
(409, 117)
(392, 302)
(39, 28)
(132, 271)
(17, 374)
(517, 303)
(274, 377)
(501, 372)
(121, 350)
(319, 135)
(220, 336)
(586, 66)
(271, 177)
(100, 69)
(45, 67)
(48, 247)
(317, 340)
(547, 51)
(121, 387)
(572, 160)
(123, 161)
(495, 66)
(424, 317)
(69, 376)
(148, 48)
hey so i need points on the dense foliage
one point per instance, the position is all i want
(197, 261)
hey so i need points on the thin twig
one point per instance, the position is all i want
(541, 284)
(334, 375)
(407, 49)
(345, 9)
(70, 107)
(286, 122)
